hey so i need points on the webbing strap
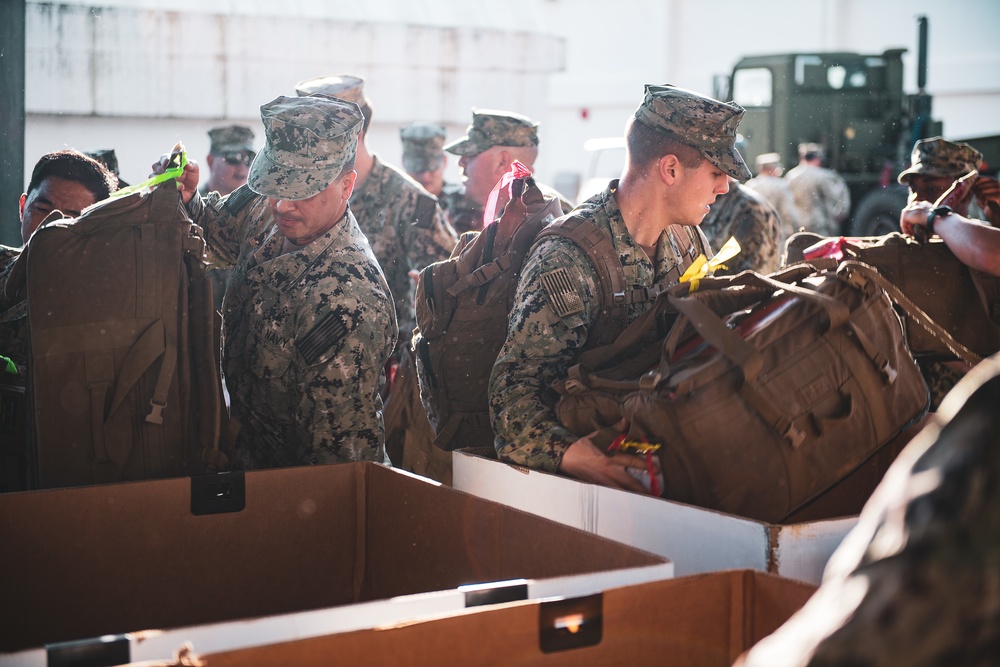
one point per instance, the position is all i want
(481, 276)
(857, 272)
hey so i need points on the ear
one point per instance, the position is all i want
(347, 183)
(210, 160)
(669, 168)
(20, 206)
(502, 162)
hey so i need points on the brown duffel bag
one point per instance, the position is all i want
(964, 302)
(766, 391)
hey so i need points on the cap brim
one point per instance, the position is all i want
(730, 161)
(463, 146)
(277, 181)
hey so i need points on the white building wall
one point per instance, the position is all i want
(138, 75)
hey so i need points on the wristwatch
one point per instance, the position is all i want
(938, 212)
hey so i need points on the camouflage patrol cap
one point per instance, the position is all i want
(345, 87)
(495, 128)
(699, 121)
(309, 140)
(423, 147)
(939, 157)
(230, 139)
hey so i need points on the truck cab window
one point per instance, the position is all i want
(752, 87)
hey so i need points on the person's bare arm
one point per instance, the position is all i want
(975, 243)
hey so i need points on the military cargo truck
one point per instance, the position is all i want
(851, 103)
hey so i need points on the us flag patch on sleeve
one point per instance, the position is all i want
(327, 333)
(562, 293)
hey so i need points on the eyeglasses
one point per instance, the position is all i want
(235, 159)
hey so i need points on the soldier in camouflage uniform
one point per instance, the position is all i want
(680, 155)
(935, 164)
(821, 195)
(492, 142)
(746, 216)
(917, 582)
(403, 222)
(309, 320)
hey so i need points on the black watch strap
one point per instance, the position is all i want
(937, 212)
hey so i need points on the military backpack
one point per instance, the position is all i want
(463, 303)
(123, 364)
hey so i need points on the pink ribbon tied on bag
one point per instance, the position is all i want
(517, 170)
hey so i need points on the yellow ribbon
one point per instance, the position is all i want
(702, 266)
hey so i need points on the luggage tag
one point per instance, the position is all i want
(649, 478)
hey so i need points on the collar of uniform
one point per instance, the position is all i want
(286, 270)
(373, 184)
(636, 272)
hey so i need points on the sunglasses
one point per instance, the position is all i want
(238, 158)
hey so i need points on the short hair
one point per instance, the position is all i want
(646, 145)
(810, 152)
(74, 166)
(348, 166)
(366, 111)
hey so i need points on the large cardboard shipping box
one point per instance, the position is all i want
(705, 620)
(693, 538)
(83, 562)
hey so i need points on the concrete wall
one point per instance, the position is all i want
(137, 75)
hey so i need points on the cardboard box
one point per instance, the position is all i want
(695, 539)
(700, 621)
(84, 562)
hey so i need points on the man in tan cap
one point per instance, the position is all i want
(769, 184)
(680, 155)
(309, 320)
(936, 163)
(229, 157)
(492, 142)
(821, 195)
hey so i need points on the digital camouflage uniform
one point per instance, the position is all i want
(748, 217)
(917, 581)
(406, 229)
(307, 333)
(405, 226)
(821, 198)
(463, 214)
(545, 339)
(541, 346)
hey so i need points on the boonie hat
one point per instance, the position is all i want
(308, 142)
(230, 139)
(423, 147)
(699, 121)
(939, 157)
(495, 128)
(347, 87)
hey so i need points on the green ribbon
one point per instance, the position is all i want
(9, 366)
(177, 162)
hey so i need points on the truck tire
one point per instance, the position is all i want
(878, 212)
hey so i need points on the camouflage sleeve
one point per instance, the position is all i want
(839, 197)
(540, 348)
(338, 416)
(756, 228)
(429, 241)
(225, 221)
